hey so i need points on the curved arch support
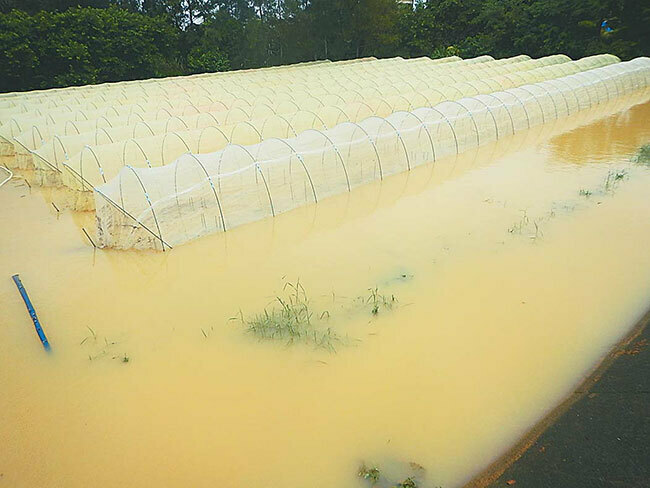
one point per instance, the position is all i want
(268, 192)
(162, 146)
(338, 154)
(401, 139)
(203, 131)
(374, 146)
(494, 120)
(302, 162)
(478, 136)
(99, 166)
(214, 190)
(146, 195)
(426, 129)
(451, 126)
(137, 144)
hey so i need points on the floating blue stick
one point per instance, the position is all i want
(32, 312)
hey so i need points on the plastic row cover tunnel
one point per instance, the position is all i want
(43, 145)
(212, 88)
(121, 92)
(214, 96)
(310, 76)
(341, 83)
(18, 111)
(198, 195)
(209, 96)
(410, 87)
(96, 164)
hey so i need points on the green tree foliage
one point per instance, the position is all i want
(534, 27)
(33, 6)
(45, 43)
(204, 61)
(83, 45)
(353, 28)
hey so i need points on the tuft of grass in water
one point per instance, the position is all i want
(98, 348)
(372, 474)
(585, 193)
(208, 333)
(614, 177)
(415, 472)
(378, 301)
(125, 359)
(525, 224)
(92, 336)
(520, 225)
(407, 483)
(643, 156)
(292, 320)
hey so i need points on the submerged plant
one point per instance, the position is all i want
(585, 193)
(520, 225)
(291, 319)
(526, 225)
(370, 474)
(378, 301)
(613, 178)
(407, 483)
(98, 348)
(92, 336)
(208, 333)
(643, 156)
(414, 472)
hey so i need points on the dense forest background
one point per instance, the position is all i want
(51, 43)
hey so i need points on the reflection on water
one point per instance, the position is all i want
(510, 284)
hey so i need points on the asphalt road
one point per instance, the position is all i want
(603, 439)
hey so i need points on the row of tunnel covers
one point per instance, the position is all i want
(307, 76)
(201, 194)
(97, 157)
(286, 97)
(217, 93)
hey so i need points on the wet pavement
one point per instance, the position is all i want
(602, 440)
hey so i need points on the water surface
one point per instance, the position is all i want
(510, 285)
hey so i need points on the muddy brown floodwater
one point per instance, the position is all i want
(514, 268)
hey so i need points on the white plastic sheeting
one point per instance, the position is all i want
(96, 164)
(334, 85)
(380, 85)
(185, 95)
(204, 193)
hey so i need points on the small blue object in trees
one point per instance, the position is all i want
(32, 312)
(606, 27)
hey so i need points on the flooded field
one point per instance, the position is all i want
(449, 309)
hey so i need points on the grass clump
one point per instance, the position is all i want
(382, 479)
(407, 483)
(585, 193)
(643, 156)
(527, 226)
(378, 301)
(613, 178)
(372, 474)
(519, 226)
(291, 319)
(98, 348)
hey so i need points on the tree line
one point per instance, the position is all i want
(52, 43)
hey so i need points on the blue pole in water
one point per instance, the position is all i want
(32, 312)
